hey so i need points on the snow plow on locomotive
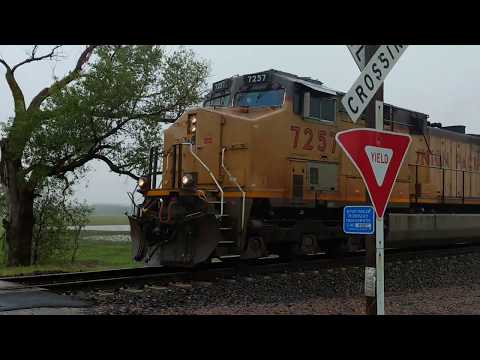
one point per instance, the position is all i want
(256, 171)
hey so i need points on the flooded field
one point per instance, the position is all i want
(107, 228)
(117, 233)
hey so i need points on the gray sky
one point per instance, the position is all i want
(442, 81)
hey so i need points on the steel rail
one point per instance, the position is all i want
(141, 276)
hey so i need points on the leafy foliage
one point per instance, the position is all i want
(58, 222)
(110, 107)
(114, 112)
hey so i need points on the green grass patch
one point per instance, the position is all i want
(105, 253)
(108, 220)
(91, 255)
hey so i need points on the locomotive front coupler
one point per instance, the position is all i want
(178, 210)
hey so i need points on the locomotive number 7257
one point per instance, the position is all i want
(309, 140)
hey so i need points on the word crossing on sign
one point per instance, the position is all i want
(378, 156)
(371, 78)
(358, 54)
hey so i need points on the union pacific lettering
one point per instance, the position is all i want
(438, 159)
(430, 159)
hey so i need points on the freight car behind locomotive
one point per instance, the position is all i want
(256, 171)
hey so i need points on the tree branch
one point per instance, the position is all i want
(3, 62)
(115, 168)
(33, 57)
(17, 94)
(67, 183)
(60, 84)
(60, 168)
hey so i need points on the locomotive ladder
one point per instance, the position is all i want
(196, 157)
(234, 180)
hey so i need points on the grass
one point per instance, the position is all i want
(95, 251)
(91, 255)
(105, 253)
(108, 220)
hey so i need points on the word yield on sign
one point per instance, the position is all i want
(371, 78)
(378, 156)
(358, 220)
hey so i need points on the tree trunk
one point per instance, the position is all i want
(20, 226)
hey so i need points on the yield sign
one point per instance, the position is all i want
(378, 156)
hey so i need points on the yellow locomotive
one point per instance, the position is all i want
(256, 171)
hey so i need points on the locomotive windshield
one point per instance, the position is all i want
(260, 98)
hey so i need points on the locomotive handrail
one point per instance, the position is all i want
(443, 169)
(234, 180)
(209, 173)
(153, 166)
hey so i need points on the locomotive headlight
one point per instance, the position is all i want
(142, 183)
(187, 180)
(192, 124)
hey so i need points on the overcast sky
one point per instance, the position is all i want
(442, 81)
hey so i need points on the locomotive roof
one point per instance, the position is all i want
(317, 83)
(400, 115)
(318, 86)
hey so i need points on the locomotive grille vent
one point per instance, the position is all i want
(298, 186)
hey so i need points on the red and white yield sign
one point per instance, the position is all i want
(378, 156)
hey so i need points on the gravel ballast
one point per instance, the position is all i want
(443, 285)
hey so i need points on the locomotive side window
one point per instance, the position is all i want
(323, 176)
(219, 101)
(266, 98)
(313, 176)
(321, 108)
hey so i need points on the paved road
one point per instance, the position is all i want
(15, 299)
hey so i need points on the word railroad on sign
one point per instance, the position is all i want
(371, 78)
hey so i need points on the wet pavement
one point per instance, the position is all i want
(18, 299)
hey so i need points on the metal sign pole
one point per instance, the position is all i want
(370, 242)
(366, 97)
(379, 236)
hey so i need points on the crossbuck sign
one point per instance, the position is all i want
(371, 78)
(358, 54)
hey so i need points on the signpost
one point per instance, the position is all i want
(379, 158)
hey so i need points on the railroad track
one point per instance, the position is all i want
(138, 277)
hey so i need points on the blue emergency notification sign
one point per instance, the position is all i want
(359, 220)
